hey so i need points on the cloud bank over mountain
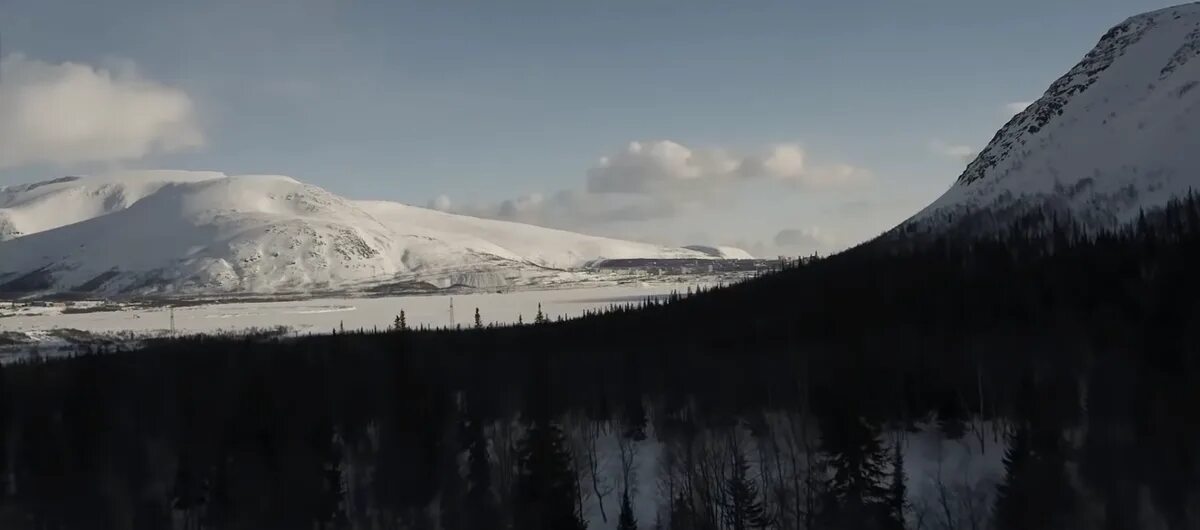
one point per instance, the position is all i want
(64, 114)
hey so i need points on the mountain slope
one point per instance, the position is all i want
(32, 208)
(1120, 132)
(182, 232)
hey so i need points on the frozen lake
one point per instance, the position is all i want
(321, 315)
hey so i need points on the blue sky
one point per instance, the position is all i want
(506, 108)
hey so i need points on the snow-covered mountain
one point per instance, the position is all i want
(202, 233)
(1120, 132)
(32, 208)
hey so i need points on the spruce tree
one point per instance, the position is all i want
(329, 504)
(478, 319)
(1011, 493)
(541, 317)
(743, 510)
(682, 517)
(898, 492)
(4, 481)
(633, 415)
(1036, 492)
(219, 510)
(626, 521)
(857, 494)
(482, 511)
(331, 513)
(188, 493)
(545, 496)
(950, 419)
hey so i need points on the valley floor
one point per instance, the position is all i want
(57, 328)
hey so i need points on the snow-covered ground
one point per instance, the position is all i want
(44, 325)
(950, 483)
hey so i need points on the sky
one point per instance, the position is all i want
(782, 127)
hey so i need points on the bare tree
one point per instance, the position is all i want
(628, 450)
(957, 505)
(944, 499)
(776, 492)
(600, 487)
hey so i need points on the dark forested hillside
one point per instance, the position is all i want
(782, 402)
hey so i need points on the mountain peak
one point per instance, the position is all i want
(1180, 10)
(1117, 133)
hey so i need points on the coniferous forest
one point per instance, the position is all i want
(791, 401)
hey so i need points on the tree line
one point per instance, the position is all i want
(782, 402)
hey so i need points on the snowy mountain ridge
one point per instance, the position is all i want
(1116, 135)
(168, 233)
(40, 206)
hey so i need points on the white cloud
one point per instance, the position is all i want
(662, 179)
(784, 161)
(834, 176)
(571, 210)
(667, 168)
(441, 202)
(956, 151)
(70, 113)
(1017, 106)
(802, 239)
(659, 167)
